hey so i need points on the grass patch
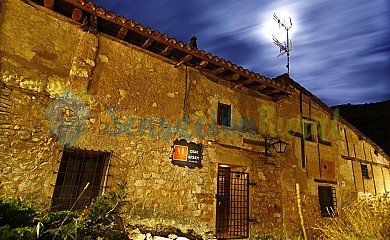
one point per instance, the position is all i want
(363, 219)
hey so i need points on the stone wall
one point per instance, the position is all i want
(134, 104)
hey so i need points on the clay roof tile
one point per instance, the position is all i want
(139, 26)
(111, 15)
(101, 10)
(188, 47)
(121, 19)
(147, 30)
(156, 33)
(91, 6)
(82, 2)
(130, 22)
(164, 37)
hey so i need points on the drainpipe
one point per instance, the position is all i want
(186, 96)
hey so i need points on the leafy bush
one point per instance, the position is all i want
(16, 219)
(15, 213)
(363, 219)
(19, 220)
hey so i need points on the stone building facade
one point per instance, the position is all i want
(88, 97)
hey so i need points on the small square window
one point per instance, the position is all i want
(364, 168)
(327, 198)
(224, 114)
(307, 131)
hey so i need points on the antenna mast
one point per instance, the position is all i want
(287, 46)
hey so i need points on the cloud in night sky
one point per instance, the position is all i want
(341, 49)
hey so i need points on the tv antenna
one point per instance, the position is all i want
(286, 46)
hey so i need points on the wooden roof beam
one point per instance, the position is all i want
(77, 14)
(217, 71)
(258, 88)
(147, 43)
(233, 77)
(248, 81)
(184, 59)
(202, 64)
(49, 4)
(122, 33)
(166, 51)
(270, 92)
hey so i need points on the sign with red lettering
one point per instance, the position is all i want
(180, 153)
(187, 154)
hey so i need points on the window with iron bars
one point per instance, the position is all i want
(79, 168)
(364, 168)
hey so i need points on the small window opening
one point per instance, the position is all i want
(364, 168)
(224, 114)
(308, 133)
(320, 132)
(327, 199)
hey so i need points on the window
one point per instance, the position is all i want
(224, 114)
(320, 132)
(327, 198)
(307, 131)
(364, 168)
(77, 169)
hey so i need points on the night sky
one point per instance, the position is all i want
(340, 49)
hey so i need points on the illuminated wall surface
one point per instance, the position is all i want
(80, 104)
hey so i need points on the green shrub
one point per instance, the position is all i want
(16, 219)
(19, 220)
(15, 213)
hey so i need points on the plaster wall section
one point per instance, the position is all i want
(37, 60)
(33, 71)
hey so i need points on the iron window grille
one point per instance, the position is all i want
(224, 114)
(364, 168)
(328, 201)
(77, 169)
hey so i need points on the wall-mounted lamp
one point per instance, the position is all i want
(279, 145)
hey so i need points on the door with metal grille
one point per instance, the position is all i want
(232, 204)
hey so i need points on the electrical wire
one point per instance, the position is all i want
(273, 66)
